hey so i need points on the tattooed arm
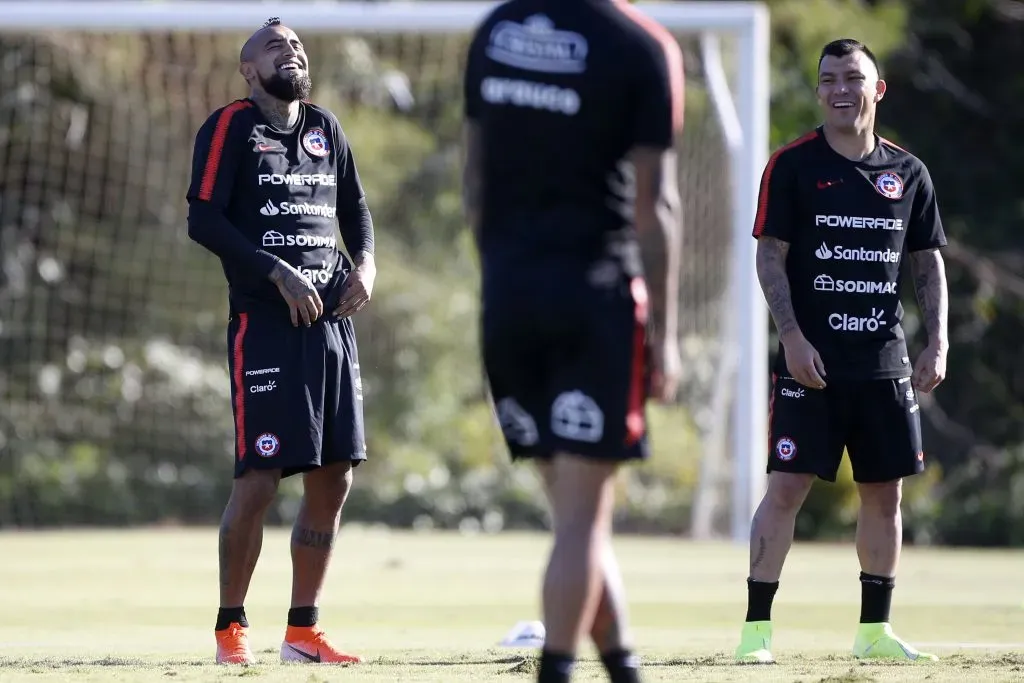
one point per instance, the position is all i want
(802, 360)
(929, 274)
(299, 293)
(771, 273)
(925, 236)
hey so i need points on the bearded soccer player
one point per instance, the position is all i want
(572, 112)
(273, 177)
(841, 214)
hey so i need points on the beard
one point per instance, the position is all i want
(288, 88)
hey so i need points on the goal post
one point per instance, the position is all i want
(739, 104)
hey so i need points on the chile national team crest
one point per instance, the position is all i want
(315, 142)
(889, 185)
(785, 449)
(267, 445)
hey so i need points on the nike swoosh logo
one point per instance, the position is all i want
(306, 655)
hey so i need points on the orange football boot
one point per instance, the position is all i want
(309, 645)
(233, 645)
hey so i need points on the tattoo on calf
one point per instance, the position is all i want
(762, 550)
(224, 554)
(310, 538)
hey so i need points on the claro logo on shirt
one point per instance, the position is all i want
(843, 322)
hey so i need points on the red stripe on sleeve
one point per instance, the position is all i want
(762, 196)
(673, 57)
(213, 157)
(238, 377)
(636, 424)
(892, 144)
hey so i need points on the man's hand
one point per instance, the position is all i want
(930, 368)
(803, 362)
(358, 288)
(666, 369)
(299, 293)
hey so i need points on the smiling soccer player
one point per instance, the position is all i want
(841, 211)
(273, 177)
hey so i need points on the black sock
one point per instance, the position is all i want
(875, 598)
(230, 615)
(622, 666)
(760, 595)
(555, 667)
(303, 616)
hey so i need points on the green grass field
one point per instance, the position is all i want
(139, 606)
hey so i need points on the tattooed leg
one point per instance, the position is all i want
(241, 533)
(316, 527)
(771, 532)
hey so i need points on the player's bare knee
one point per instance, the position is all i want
(327, 488)
(787, 491)
(254, 491)
(881, 498)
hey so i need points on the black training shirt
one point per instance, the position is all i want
(258, 192)
(850, 225)
(561, 91)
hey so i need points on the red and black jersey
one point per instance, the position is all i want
(285, 193)
(850, 225)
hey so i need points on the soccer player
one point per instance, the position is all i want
(272, 177)
(572, 111)
(840, 215)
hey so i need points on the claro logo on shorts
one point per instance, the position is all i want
(263, 388)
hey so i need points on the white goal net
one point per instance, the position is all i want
(112, 380)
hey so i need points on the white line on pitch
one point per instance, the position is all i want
(976, 646)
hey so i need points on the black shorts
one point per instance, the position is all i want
(296, 393)
(876, 421)
(570, 378)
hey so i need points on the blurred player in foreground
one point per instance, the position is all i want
(572, 111)
(272, 178)
(841, 212)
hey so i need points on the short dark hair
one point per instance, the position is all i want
(847, 46)
(272, 21)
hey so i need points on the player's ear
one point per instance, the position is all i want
(245, 68)
(880, 88)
